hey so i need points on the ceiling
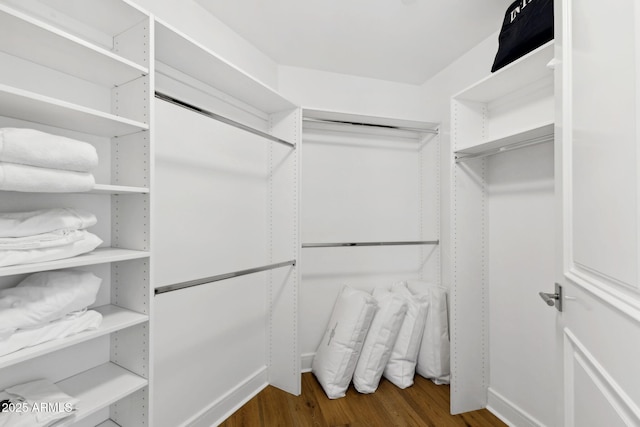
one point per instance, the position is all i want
(405, 41)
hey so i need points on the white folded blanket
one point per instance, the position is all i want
(44, 297)
(35, 148)
(39, 241)
(27, 256)
(15, 177)
(25, 224)
(42, 403)
(62, 328)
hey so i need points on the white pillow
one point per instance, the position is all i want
(380, 339)
(45, 297)
(433, 359)
(24, 224)
(401, 367)
(338, 352)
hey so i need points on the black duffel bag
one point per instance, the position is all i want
(528, 24)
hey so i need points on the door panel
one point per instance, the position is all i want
(604, 140)
(597, 406)
(601, 350)
(598, 125)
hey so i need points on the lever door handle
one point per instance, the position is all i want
(550, 299)
(553, 299)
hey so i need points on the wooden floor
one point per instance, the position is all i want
(424, 404)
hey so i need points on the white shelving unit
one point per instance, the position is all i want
(508, 106)
(254, 186)
(83, 70)
(509, 109)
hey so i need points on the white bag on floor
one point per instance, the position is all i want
(401, 367)
(433, 358)
(380, 340)
(338, 352)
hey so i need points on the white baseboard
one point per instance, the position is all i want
(508, 412)
(222, 408)
(305, 361)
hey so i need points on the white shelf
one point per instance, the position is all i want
(114, 318)
(118, 189)
(101, 20)
(98, 256)
(46, 45)
(25, 105)
(108, 423)
(372, 120)
(184, 54)
(520, 73)
(98, 388)
(502, 143)
(366, 125)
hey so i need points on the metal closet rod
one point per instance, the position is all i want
(211, 279)
(222, 119)
(352, 244)
(527, 143)
(372, 125)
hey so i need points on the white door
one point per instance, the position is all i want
(599, 178)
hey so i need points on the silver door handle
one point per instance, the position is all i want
(550, 299)
(554, 299)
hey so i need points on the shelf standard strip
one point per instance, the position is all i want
(352, 244)
(222, 119)
(211, 279)
(460, 156)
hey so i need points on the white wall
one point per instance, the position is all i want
(210, 201)
(522, 351)
(193, 20)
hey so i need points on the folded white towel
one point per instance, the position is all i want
(44, 297)
(44, 404)
(39, 241)
(62, 328)
(25, 224)
(15, 177)
(35, 148)
(28, 256)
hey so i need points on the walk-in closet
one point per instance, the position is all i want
(398, 212)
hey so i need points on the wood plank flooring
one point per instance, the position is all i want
(422, 405)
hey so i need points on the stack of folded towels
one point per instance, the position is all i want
(35, 161)
(47, 306)
(45, 235)
(38, 403)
